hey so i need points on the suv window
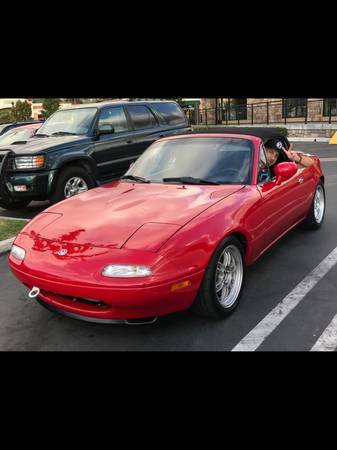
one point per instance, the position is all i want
(171, 112)
(142, 117)
(114, 116)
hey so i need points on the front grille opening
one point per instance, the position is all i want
(87, 301)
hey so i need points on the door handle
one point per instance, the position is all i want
(300, 180)
(129, 142)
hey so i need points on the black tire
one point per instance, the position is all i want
(12, 206)
(207, 302)
(311, 222)
(65, 175)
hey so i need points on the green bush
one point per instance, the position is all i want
(283, 131)
(222, 129)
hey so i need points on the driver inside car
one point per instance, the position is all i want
(276, 153)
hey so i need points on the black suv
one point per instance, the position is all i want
(82, 147)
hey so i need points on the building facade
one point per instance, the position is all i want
(267, 110)
(303, 117)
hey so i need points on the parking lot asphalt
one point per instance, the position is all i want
(25, 325)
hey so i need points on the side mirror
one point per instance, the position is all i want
(284, 171)
(105, 129)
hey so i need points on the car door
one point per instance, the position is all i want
(306, 189)
(281, 205)
(146, 128)
(114, 152)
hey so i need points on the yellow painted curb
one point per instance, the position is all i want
(333, 140)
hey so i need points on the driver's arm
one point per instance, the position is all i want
(299, 157)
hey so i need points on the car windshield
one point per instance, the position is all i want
(70, 121)
(16, 135)
(196, 160)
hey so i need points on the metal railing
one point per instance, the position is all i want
(265, 113)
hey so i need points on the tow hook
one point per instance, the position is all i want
(35, 292)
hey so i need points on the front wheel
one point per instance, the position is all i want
(222, 285)
(72, 181)
(316, 212)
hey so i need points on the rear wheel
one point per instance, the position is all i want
(222, 285)
(73, 180)
(316, 212)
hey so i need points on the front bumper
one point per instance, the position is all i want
(38, 184)
(102, 304)
(144, 321)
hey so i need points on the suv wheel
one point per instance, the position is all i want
(72, 181)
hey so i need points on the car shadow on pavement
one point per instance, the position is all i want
(30, 211)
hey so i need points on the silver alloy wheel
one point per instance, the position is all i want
(74, 186)
(319, 204)
(229, 276)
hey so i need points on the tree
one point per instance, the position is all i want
(5, 116)
(21, 111)
(75, 101)
(50, 105)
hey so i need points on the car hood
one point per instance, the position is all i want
(40, 144)
(113, 215)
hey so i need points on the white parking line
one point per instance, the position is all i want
(328, 339)
(263, 329)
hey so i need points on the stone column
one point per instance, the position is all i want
(315, 109)
(208, 108)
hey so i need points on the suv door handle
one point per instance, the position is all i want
(129, 142)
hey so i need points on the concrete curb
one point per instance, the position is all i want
(14, 218)
(308, 139)
(6, 245)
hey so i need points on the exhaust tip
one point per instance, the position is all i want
(141, 321)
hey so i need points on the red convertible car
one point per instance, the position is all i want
(176, 231)
(19, 135)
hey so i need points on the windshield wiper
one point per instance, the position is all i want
(63, 133)
(135, 178)
(189, 180)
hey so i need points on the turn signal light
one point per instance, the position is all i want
(181, 285)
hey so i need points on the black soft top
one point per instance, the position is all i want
(265, 133)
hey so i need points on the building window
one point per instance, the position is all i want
(294, 107)
(330, 107)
